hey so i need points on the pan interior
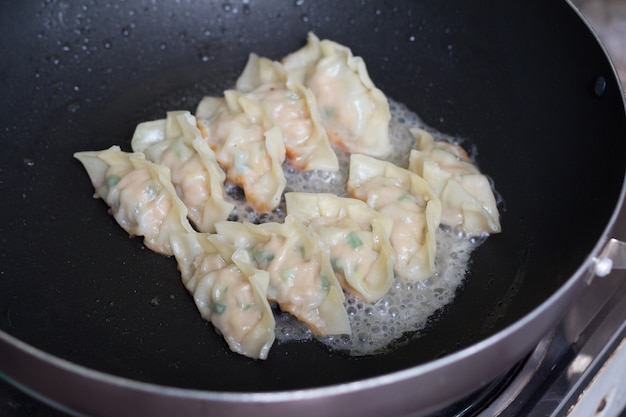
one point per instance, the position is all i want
(507, 77)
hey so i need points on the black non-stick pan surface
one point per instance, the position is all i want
(526, 82)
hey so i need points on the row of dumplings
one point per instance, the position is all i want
(295, 109)
(170, 190)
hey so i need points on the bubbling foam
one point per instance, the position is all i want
(407, 306)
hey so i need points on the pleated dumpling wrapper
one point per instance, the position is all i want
(357, 236)
(353, 110)
(409, 202)
(247, 144)
(294, 109)
(143, 201)
(302, 281)
(140, 195)
(466, 194)
(176, 143)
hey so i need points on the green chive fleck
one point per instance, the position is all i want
(406, 197)
(112, 180)
(263, 256)
(325, 283)
(219, 308)
(334, 262)
(354, 241)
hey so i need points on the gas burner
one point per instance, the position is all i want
(577, 369)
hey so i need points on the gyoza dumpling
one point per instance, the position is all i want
(409, 201)
(302, 281)
(144, 203)
(260, 71)
(247, 144)
(354, 112)
(358, 238)
(196, 256)
(233, 298)
(466, 196)
(230, 295)
(177, 143)
(294, 109)
(140, 194)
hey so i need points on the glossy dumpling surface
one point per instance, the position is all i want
(302, 281)
(294, 109)
(354, 112)
(231, 295)
(247, 144)
(140, 194)
(466, 195)
(409, 202)
(176, 143)
(144, 203)
(357, 237)
(233, 298)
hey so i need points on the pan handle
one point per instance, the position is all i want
(612, 257)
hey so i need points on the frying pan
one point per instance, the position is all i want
(94, 322)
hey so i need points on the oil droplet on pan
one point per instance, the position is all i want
(73, 106)
(599, 86)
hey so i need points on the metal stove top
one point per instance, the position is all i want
(579, 368)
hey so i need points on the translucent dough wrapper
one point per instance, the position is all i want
(466, 195)
(302, 281)
(260, 71)
(357, 236)
(354, 112)
(231, 295)
(140, 195)
(144, 203)
(176, 143)
(409, 202)
(294, 109)
(233, 299)
(196, 257)
(247, 144)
